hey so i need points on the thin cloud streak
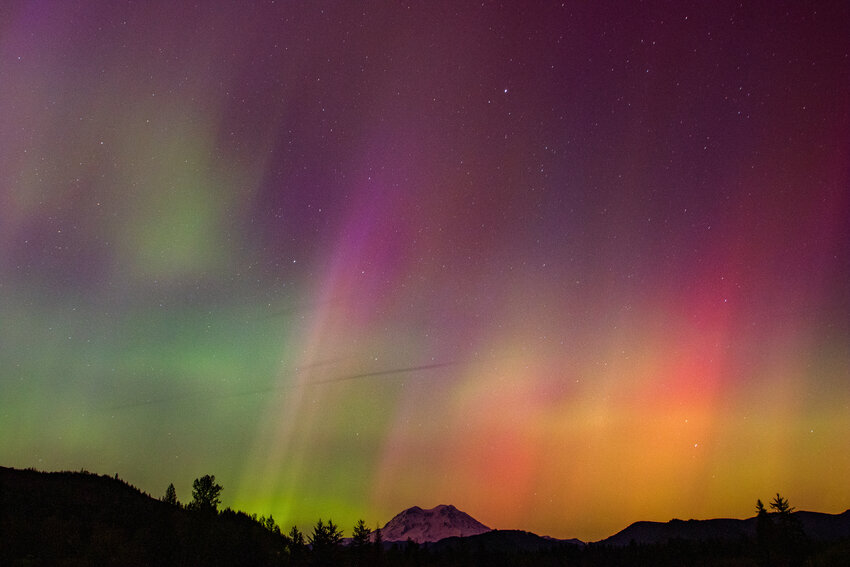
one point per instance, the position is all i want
(377, 373)
(344, 378)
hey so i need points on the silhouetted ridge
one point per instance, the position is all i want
(79, 518)
(817, 526)
(505, 541)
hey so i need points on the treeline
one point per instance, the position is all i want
(78, 519)
(322, 546)
(780, 541)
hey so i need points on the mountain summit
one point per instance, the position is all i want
(431, 525)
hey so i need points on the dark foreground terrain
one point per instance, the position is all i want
(78, 518)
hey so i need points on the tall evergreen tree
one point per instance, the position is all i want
(297, 545)
(790, 538)
(170, 495)
(325, 536)
(361, 535)
(360, 541)
(325, 540)
(780, 535)
(296, 537)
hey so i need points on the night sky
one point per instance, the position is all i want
(564, 266)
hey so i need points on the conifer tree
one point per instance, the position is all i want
(325, 540)
(296, 537)
(170, 495)
(360, 541)
(360, 535)
(780, 505)
(205, 494)
(325, 536)
(297, 545)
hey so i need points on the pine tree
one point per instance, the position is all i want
(325, 540)
(296, 537)
(781, 539)
(297, 545)
(360, 535)
(170, 495)
(205, 494)
(780, 505)
(360, 541)
(791, 541)
(325, 536)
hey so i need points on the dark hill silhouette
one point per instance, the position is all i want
(79, 518)
(817, 526)
(697, 530)
(504, 541)
(825, 527)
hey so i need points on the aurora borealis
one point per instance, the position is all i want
(565, 266)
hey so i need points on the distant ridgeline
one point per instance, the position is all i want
(79, 518)
(816, 527)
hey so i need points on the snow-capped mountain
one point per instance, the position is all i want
(431, 525)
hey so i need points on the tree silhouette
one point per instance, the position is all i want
(325, 536)
(297, 545)
(780, 505)
(269, 524)
(205, 494)
(764, 533)
(791, 539)
(325, 540)
(170, 495)
(296, 537)
(360, 535)
(781, 539)
(360, 541)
